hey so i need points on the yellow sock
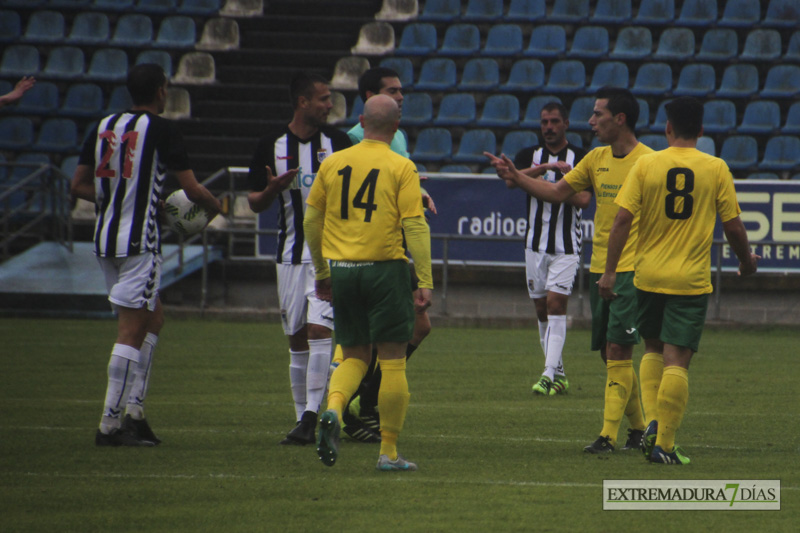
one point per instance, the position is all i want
(651, 370)
(338, 355)
(393, 399)
(634, 408)
(344, 383)
(618, 387)
(673, 395)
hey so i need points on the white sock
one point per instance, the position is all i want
(135, 406)
(319, 363)
(543, 336)
(121, 375)
(298, 363)
(556, 335)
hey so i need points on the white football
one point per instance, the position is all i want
(184, 216)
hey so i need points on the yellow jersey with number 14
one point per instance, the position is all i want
(677, 194)
(365, 192)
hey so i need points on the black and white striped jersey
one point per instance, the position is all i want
(552, 228)
(130, 153)
(284, 152)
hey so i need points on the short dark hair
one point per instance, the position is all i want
(144, 81)
(370, 80)
(621, 101)
(556, 106)
(302, 84)
(686, 116)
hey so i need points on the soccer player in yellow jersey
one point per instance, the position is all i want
(614, 332)
(361, 202)
(677, 194)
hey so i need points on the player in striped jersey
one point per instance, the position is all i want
(295, 155)
(552, 245)
(122, 169)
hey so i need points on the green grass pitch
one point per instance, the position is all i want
(492, 456)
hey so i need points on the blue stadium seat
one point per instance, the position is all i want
(41, 99)
(503, 40)
(760, 117)
(792, 124)
(644, 114)
(156, 7)
(483, 10)
(781, 153)
(719, 44)
(438, 73)
(159, 57)
(177, 31)
(783, 81)
(526, 11)
(45, 27)
(120, 100)
(763, 176)
(10, 26)
(6, 87)
(547, 41)
(473, 144)
(589, 42)
(456, 109)
(16, 133)
(514, 141)
(57, 135)
(740, 14)
(566, 76)
(761, 45)
(675, 44)
(433, 144)
(698, 13)
(499, 110)
(580, 112)
(417, 109)
(417, 39)
(653, 79)
(357, 108)
(89, 27)
(738, 81)
(114, 5)
(660, 121)
(455, 169)
(782, 14)
(441, 10)
(612, 12)
(655, 12)
(83, 100)
(68, 165)
(525, 75)
(65, 62)
(739, 151)
(719, 116)
(696, 79)
(533, 111)
(707, 145)
(569, 11)
(480, 74)
(609, 74)
(654, 140)
(25, 164)
(19, 60)
(461, 40)
(200, 8)
(403, 67)
(575, 139)
(133, 30)
(108, 64)
(633, 42)
(793, 49)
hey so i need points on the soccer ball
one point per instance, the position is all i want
(184, 216)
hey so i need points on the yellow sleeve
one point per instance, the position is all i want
(418, 241)
(313, 226)
(580, 177)
(727, 203)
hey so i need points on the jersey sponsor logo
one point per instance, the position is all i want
(601, 169)
(322, 153)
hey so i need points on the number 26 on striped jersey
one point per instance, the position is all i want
(367, 190)
(129, 142)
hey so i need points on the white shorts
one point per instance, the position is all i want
(550, 273)
(132, 281)
(297, 297)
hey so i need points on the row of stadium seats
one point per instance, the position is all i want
(738, 80)
(57, 135)
(94, 28)
(737, 13)
(79, 100)
(631, 42)
(153, 7)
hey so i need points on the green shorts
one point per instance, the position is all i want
(672, 318)
(372, 302)
(614, 321)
